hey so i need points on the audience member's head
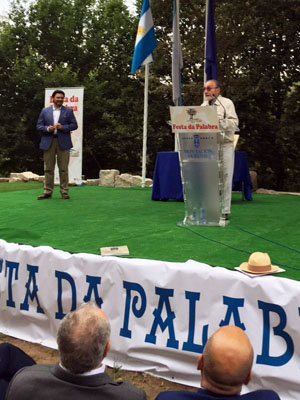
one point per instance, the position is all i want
(83, 339)
(226, 361)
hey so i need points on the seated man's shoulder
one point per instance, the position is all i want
(50, 381)
(129, 391)
(34, 372)
(36, 369)
(179, 395)
(204, 395)
(27, 379)
(261, 395)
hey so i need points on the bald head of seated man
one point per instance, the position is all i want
(225, 367)
(226, 361)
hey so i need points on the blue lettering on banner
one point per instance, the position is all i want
(164, 295)
(32, 295)
(233, 305)
(190, 345)
(11, 267)
(264, 357)
(93, 282)
(60, 276)
(163, 316)
(137, 312)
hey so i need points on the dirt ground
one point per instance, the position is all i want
(152, 386)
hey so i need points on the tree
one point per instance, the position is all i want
(90, 43)
(259, 58)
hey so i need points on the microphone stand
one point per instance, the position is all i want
(216, 97)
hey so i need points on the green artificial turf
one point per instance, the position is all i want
(97, 217)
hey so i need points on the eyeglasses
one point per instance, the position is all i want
(208, 88)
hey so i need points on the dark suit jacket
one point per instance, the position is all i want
(68, 121)
(51, 382)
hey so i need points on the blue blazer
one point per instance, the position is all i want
(66, 119)
(203, 394)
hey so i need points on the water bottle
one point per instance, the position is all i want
(202, 215)
(195, 216)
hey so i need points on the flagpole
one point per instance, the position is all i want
(206, 20)
(145, 124)
(143, 54)
(176, 62)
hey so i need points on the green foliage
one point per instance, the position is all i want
(259, 58)
(260, 65)
(89, 43)
(116, 372)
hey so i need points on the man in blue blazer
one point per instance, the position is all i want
(56, 123)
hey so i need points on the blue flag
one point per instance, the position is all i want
(210, 44)
(145, 39)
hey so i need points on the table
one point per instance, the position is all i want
(241, 180)
(167, 182)
(167, 178)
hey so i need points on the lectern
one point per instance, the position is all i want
(200, 145)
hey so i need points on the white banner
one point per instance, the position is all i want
(161, 313)
(74, 100)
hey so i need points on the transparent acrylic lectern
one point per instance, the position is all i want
(200, 146)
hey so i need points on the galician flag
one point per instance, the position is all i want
(145, 39)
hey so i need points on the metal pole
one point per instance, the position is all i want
(206, 18)
(145, 124)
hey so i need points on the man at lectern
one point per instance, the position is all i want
(228, 124)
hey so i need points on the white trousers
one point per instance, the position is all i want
(228, 163)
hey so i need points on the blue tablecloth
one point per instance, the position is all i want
(167, 179)
(241, 177)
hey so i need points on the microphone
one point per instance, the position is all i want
(216, 97)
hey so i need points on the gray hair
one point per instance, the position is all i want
(216, 82)
(82, 338)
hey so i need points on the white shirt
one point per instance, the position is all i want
(56, 115)
(99, 370)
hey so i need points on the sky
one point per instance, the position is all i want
(4, 6)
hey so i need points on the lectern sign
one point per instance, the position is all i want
(194, 119)
(197, 127)
(197, 131)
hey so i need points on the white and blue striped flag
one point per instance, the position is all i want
(145, 39)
